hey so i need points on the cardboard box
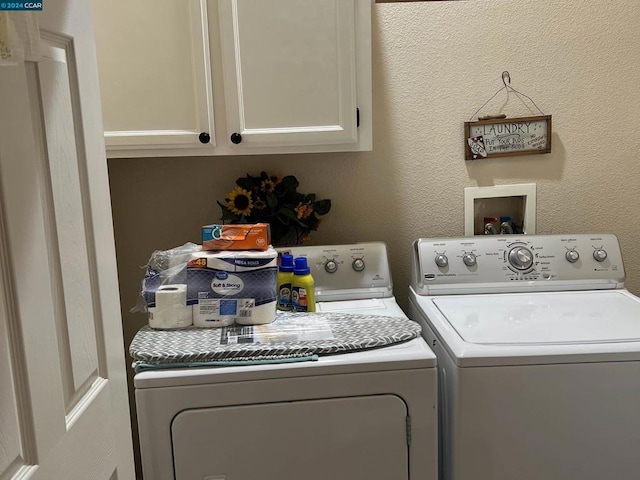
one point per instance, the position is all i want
(255, 236)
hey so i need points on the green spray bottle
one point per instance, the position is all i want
(285, 277)
(303, 295)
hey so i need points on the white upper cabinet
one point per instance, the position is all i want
(278, 76)
(155, 75)
(289, 71)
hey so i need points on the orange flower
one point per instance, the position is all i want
(268, 185)
(303, 210)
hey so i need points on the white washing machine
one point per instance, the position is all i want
(538, 347)
(365, 415)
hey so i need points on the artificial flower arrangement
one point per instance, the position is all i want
(275, 200)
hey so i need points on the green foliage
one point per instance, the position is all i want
(291, 214)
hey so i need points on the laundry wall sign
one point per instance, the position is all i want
(506, 137)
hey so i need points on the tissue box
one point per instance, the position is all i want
(236, 237)
(228, 286)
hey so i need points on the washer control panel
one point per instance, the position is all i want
(528, 260)
(359, 270)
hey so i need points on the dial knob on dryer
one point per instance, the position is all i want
(572, 256)
(521, 258)
(600, 255)
(331, 266)
(442, 260)
(469, 259)
(358, 265)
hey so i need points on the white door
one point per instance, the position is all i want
(63, 398)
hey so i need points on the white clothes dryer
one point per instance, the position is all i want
(369, 414)
(538, 347)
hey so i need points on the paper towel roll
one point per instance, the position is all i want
(171, 310)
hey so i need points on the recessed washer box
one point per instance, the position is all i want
(515, 201)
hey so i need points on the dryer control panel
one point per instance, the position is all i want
(514, 263)
(347, 272)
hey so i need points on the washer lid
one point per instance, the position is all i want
(544, 318)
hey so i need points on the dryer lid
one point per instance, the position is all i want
(544, 318)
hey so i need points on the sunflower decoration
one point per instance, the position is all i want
(268, 185)
(239, 201)
(273, 199)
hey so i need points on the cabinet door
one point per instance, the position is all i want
(289, 70)
(155, 76)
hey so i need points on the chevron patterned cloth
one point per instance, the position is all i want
(291, 335)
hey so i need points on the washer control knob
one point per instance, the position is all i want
(469, 259)
(442, 260)
(358, 265)
(521, 258)
(600, 255)
(331, 266)
(572, 256)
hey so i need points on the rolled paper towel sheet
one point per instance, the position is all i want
(171, 310)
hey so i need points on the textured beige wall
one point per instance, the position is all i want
(434, 64)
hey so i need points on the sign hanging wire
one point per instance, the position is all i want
(506, 79)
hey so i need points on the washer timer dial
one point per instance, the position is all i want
(521, 258)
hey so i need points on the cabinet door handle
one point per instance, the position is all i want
(204, 137)
(236, 138)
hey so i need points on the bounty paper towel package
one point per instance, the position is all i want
(232, 286)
